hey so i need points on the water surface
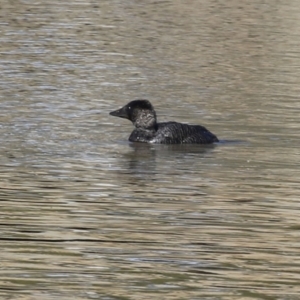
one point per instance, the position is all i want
(87, 215)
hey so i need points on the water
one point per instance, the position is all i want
(87, 215)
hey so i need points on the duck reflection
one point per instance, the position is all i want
(144, 160)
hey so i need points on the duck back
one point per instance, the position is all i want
(174, 133)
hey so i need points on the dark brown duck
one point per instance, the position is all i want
(142, 114)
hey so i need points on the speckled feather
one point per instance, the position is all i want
(174, 133)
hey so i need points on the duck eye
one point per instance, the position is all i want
(129, 107)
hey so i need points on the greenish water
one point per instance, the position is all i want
(87, 215)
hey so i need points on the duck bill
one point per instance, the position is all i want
(121, 113)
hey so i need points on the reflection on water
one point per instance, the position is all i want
(87, 215)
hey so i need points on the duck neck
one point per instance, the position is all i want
(146, 121)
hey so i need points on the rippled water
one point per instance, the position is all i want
(87, 215)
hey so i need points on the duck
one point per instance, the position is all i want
(147, 130)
